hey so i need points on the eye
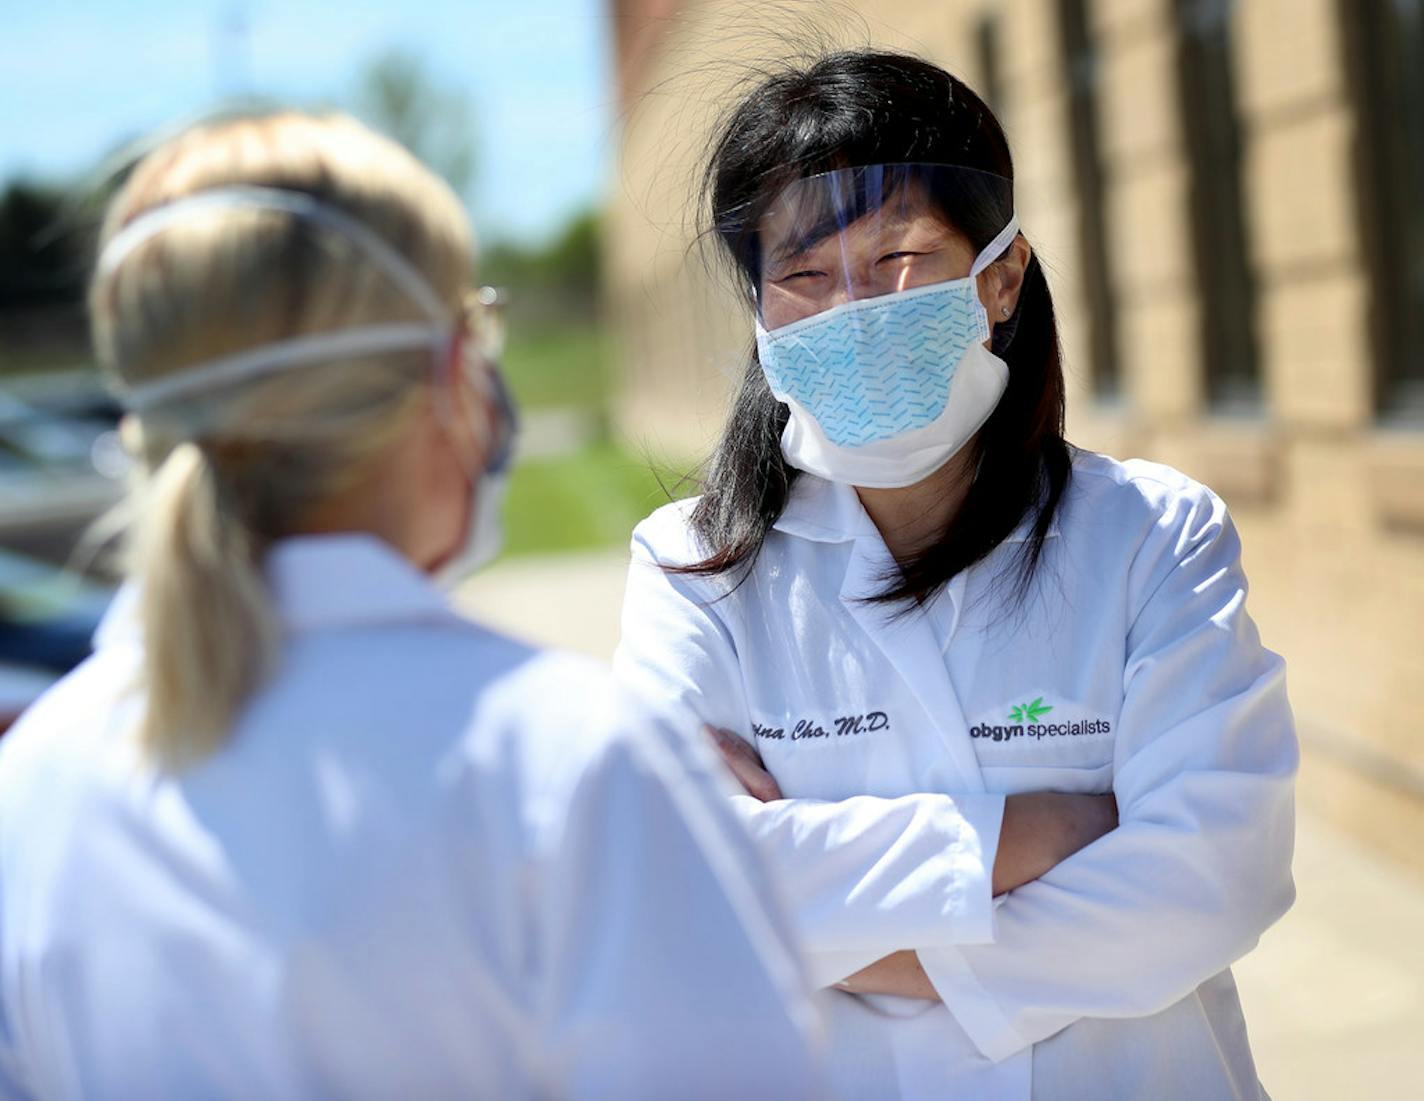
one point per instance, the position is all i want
(798, 275)
(903, 254)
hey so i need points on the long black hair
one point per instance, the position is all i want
(865, 107)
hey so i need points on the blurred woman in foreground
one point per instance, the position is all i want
(297, 828)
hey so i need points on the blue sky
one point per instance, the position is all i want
(77, 77)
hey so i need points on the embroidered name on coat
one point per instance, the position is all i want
(846, 726)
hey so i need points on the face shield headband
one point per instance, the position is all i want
(436, 334)
(860, 233)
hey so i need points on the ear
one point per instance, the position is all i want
(1002, 282)
(461, 405)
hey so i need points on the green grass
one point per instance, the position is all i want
(592, 498)
(563, 365)
(589, 498)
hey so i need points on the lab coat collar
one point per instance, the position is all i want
(346, 581)
(907, 638)
(831, 512)
(325, 581)
(824, 511)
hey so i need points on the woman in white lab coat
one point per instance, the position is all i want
(915, 603)
(297, 829)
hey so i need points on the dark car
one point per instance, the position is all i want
(61, 467)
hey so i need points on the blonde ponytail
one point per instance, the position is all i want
(209, 630)
(228, 473)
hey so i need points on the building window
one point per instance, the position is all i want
(1384, 55)
(1225, 288)
(1081, 65)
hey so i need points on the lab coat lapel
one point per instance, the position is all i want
(910, 645)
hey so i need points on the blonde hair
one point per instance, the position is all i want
(226, 473)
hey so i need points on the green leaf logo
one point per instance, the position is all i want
(1026, 713)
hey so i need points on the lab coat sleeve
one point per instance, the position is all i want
(864, 877)
(12, 1085)
(868, 876)
(670, 971)
(1199, 866)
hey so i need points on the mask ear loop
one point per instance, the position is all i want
(995, 248)
(987, 256)
(272, 359)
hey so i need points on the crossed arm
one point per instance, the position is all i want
(1197, 866)
(1038, 831)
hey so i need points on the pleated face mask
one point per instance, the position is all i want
(870, 328)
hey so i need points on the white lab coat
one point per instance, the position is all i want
(431, 862)
(892, 738)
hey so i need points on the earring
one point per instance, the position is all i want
(1004, 310)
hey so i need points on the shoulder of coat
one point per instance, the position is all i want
(1136, 486)
(1139, 496)
(667, 533)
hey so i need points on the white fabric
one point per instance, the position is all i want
(432, 862)
(1107, 978)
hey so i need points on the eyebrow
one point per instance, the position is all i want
(797, 244)
(800, 243)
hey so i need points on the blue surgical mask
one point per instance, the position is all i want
(883, 391)
(485, 536)
(877, 368)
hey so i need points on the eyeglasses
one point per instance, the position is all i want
(484, 317)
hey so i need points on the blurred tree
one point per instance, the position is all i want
(399, 96)
(560, 277)
(574, 257)
(42, 255)
(46, 241)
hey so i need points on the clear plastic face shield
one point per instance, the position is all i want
(870, 325)
(859, 233)
(484, 332)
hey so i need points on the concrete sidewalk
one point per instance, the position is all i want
(1334, 994)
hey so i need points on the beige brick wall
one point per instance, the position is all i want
(1316, 360)
(1289, 54)
(1113, 19)
(1331, 509)
(1140, 124)
(1300, 193)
